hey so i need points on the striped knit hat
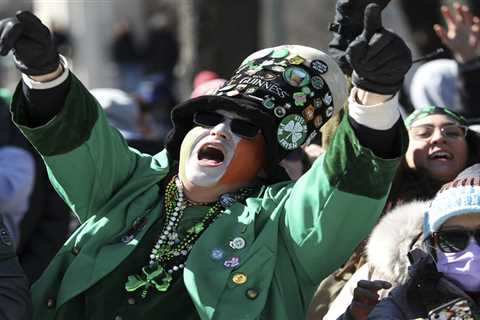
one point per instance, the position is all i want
(461, 196)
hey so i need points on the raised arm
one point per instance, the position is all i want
(87, 160)
(335, 204)
(462, 37)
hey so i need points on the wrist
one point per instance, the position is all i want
(368, 98)
(49, 76)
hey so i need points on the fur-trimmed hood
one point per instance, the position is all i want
(391, 240)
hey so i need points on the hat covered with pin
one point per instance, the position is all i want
(289, 91)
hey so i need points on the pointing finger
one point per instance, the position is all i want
(372, 20)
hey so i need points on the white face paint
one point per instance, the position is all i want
(211, 152)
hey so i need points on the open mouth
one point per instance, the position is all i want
(210, 155)
(440, 155)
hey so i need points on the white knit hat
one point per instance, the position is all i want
(456, 198)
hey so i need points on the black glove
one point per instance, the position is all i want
(31, 43)
(348, 25)
(7, 250)
(380, 58)
(365, 297)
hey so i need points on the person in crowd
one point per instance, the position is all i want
(125, 114)
(17, 173)
(434, 84)
(444, 279)
(126, 53)
(206, 82)
(452, 83)
(386, 266)
(15, 299)
(36, 217)
(434, 157)
(62, 39)
(211, 227)
(440, 147)
(160, 56)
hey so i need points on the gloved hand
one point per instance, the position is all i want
(379, 58)
(348, 24)
(7, 249)
(31, 43)
(365, 297)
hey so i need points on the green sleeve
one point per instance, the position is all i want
(335, 204)
(86, 159)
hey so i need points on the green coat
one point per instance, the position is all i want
(296, 233)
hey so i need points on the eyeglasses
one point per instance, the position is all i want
(450, 241)
(240, 127)
(452, 131)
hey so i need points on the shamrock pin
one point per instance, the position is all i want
(292, 131)
(153, 275)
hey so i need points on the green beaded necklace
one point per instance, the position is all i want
(170, 252)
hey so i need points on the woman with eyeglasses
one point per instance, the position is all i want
(444, 280)
(440, 147)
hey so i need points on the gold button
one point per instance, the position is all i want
(252, 293)
(239, 278)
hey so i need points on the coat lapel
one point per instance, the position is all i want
(93, 268)
(215, 257)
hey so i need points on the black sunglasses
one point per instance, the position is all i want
(240, 127)
(450, 241)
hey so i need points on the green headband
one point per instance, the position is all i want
(427, 111)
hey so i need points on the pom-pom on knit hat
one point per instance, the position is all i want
(461, 196)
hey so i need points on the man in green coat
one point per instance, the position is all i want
(211, 228)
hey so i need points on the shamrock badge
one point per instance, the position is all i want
(292, 132)
(153, 276)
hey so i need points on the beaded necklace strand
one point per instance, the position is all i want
(170, 252)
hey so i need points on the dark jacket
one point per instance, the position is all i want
(425, 291)
(15, 300)
(44, 227)
(468, 82)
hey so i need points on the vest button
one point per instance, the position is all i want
(252, 293)
(131, 301)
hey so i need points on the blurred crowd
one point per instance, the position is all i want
(440, 108)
